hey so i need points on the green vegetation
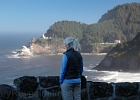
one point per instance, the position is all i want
(129, 48)
(41, 41)
(120, 23)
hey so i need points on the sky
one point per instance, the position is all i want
(38, 15)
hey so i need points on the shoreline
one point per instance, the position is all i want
(82, 54)
(93, 53)
(52, 54)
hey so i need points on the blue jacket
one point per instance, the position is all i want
(70, 71)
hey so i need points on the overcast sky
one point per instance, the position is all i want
(38, 15)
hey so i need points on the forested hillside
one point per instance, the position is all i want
(120, 23)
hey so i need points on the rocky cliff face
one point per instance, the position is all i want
(45, 49)
(37, 49)
(123, 57)
(32, 49)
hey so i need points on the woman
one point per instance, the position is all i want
(71, 71)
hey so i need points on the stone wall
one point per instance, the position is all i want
(48, 88)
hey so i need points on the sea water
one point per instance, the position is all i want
(49, 65)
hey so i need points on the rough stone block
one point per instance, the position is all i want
(49, 81)
(126, 89)
(100, 90)
(8, 92)
(26, 84)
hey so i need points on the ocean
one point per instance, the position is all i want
(49, 65)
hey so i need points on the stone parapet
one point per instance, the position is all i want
(48, 88)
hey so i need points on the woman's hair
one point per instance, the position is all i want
(72, 42)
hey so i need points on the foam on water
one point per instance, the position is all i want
(110, 76)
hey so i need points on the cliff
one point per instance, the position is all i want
(37, 49)
(123, 57)
(120, 23)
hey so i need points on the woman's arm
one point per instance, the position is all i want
(63, 68)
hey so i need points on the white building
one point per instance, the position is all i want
(117, 41)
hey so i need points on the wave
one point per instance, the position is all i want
(90, 68)
(24, 52)
(111, 76)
